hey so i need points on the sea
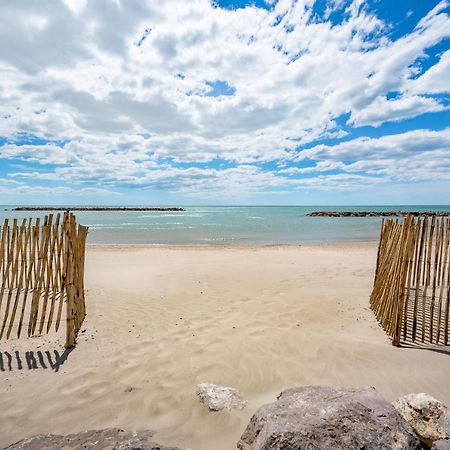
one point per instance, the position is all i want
(219, 225)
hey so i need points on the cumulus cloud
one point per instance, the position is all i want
(12, 189)
(116, 93)
(435, 80)
(415, 155)
(382, 110)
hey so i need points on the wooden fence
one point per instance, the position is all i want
(411, 292)
(41, 268)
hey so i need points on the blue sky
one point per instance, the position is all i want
(225, 102)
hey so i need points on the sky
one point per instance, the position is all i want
(168, 102)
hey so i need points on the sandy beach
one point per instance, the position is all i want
(163, 319)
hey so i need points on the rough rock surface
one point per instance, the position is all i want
(110, 438)
(97, 208)
(375, 213)
(429, 418)
(442, 444)
(324, 418)
(216, 398)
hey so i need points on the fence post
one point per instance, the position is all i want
(70, 328)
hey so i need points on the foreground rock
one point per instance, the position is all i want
(110, 438)
(442, 444)
(216, 398)
(428, 417)
(323, 418)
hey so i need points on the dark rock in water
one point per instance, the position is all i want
(110, 438)
(376, 213)
(97, 208)
(325, 418)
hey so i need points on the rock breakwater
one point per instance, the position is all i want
(96, 208)
(377, 213)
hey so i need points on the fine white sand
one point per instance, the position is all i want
(162, 320)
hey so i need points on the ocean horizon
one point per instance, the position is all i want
(227, 225)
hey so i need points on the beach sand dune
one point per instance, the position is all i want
(162, 320)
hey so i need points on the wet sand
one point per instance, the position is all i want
(163, 319)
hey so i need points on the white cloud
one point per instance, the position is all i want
(11, 189)
(435, 80)
(411, 156)
(76, 6)
(119, 113)
(382, 110)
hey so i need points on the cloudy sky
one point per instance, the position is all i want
(226, 102)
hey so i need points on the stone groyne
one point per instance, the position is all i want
(376, 213)
(94, 208)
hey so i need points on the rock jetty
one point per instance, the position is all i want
(95, 208)
(376, 213)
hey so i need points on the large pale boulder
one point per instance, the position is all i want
(442, 444)
(108, 439)
(216, 398)
(429, 418)
(325, 418)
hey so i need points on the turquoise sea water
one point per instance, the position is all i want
(203, 225)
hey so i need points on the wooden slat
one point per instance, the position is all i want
(24, 235)
(14, 264)
(414, 234)
(435, 273)
(9, 258)
(70, 314)
(64, 268)
(47, 271)
(56, 272)
(29, 272)
(443, 279)
(418, 275)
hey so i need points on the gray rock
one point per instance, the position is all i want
(110, 438)
(216, 398)
(325, 418)
(428, 417)
(442, 444)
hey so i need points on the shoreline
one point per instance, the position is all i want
(229, 246)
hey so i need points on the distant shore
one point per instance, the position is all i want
(94, 208)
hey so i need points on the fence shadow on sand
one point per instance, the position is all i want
(33, 360)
